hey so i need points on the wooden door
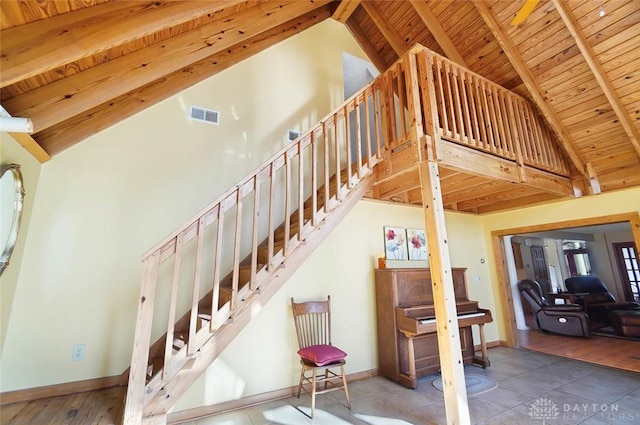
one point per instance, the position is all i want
(627, 259)
(540, 269)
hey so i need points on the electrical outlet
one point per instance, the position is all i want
(78, 352)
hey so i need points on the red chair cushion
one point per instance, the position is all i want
(322, 355)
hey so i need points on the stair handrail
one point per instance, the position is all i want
(463, 107)
(332, 139)
(479, 113)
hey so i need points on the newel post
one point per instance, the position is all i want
(134, 402)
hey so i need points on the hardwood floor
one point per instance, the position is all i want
(612, 352)
(94, 407)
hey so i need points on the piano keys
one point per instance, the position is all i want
(461, 319)
(407, 339)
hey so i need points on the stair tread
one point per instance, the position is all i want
(154, 366)
(205, 313)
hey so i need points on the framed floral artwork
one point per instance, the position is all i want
(417, 244)
(395, 243)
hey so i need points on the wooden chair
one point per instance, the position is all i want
(317, 356)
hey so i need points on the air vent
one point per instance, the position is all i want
(293, 135)
(206, 115)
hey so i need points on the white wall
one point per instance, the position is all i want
(102, 203)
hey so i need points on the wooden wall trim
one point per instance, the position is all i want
(631, 217)
(204, 411)
(506, 297)
(30, 394)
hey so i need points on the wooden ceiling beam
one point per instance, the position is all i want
(345, 10)
(398, 184)
(78, 128)
(482, 188)
(85, 90)
(368, 48)
(532, 86)
(478, 163)
(600, 74)
(395, 41)
(495, 197)
(515, 203)
(31, 146)
(433, 25)
(34, 48)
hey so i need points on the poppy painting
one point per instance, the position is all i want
(395, 243)
(417, 244)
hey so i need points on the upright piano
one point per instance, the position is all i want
(407, 339)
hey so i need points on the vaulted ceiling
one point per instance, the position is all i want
(76, 68)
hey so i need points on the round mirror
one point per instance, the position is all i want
(11, 199)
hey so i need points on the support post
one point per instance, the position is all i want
(451, 363)
(134, 406)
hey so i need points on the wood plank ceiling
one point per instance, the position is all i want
(76, 68)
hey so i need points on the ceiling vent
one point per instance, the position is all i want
(293, 135)
(206, 115)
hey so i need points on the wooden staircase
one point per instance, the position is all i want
(200, 283)
(241, 249)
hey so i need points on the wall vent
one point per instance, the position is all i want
(293, 135)
(206, 115)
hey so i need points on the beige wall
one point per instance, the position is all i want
(101, 204)
(104, 202)
(12, 153)
(263, 357)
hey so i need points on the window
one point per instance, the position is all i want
(576, 256)
(627, 259)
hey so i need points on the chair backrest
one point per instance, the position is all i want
(313, 322)
(593, 285)
(532, 292)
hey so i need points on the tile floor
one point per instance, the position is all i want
(533, 388)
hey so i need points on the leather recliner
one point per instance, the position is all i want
(564, 319)
(597, 301)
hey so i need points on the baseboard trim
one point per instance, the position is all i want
(242, 403)
(30, 394)
(491, 344)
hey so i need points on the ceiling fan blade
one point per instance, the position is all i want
(524, 12)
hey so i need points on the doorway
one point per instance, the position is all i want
(507, 284)
(627, 260)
